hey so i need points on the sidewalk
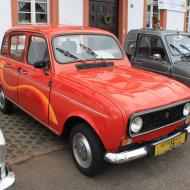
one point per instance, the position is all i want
(27, 138)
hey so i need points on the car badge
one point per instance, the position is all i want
(167, 115)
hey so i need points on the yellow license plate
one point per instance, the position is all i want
(167, 145)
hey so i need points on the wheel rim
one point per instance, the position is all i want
(82, 150)
(2, 99)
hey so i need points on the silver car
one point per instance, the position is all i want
(7, 176)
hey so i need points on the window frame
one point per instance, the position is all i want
(152, 36)
(84, 33)
(5, 36)
(24, 50)
(140, 36)
(33, 12)
(29, 41)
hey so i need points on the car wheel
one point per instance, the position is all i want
(5, 105)
(86, 149)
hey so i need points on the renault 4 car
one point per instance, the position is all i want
(78, 82)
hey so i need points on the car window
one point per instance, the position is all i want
(17, 47)
(144, 47)
(157, 48)
(4, 47)
(38, 50)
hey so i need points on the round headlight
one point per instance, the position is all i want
(136, 124)
(186, 109)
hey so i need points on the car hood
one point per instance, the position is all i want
(131, 89)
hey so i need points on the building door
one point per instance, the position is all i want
(104, 14)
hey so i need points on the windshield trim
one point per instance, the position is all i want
(177, 54)
(86, 33)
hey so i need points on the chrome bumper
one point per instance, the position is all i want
(7, 177)
(122, 157)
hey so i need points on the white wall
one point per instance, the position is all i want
(71, 12)
(5, 18)
(135, 14)
(175, 20)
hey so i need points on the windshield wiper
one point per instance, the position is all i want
(176, 49)
(91, 52)
(184, 47)
(184, 55)
(71, 55)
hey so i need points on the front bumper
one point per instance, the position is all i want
(7, 177)
(126, 156)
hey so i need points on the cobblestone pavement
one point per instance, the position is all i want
(26, 137)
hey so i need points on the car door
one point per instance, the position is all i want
(12, 64)
(151, 55)
(181, 72)
(34, 83)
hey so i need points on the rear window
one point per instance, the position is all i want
(4, 47)
(17, 47)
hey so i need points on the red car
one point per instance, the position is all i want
(78, 82)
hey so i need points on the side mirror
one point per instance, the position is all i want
(157, 57)
(39, 64)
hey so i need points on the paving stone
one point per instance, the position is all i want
(27, 138)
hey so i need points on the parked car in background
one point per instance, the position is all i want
(7, 176)
(78, 82)
(161, 51)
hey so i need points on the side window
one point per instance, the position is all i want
(17, 47)
(144, 47)
(38, 50)
(4, 47)
(157, 48)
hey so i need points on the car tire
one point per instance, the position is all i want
(5, 105)
(86, 149)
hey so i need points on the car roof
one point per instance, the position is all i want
(158, 32)
(58, 29)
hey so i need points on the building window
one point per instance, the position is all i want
(188, 17)
(33, 11)
(152, 12)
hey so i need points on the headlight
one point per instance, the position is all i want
(136, 124)
(186, 109)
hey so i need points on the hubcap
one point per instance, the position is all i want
(2, 99)
(82, 150)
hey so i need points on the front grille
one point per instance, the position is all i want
(162, 117)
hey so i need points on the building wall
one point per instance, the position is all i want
(135, 14)
(71, 12)
(175, 20)
(132, 15)
(5, 18)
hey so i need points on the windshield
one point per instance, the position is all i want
(178, 44)
(72, 48)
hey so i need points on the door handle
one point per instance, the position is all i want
(23, 72)
(19, 69)
(7, 65)
(139, 62)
